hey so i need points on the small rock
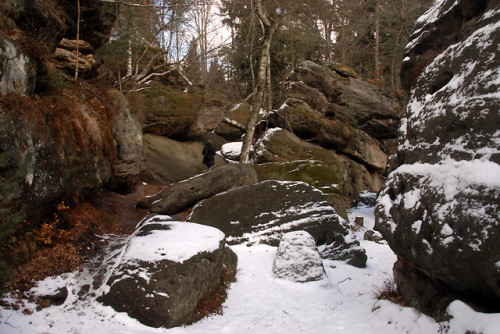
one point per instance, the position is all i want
(298, 258)
(374, 236)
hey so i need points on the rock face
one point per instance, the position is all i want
(56, 136)
(166, 269)
(66, 56)
(182, 195)
(127, 135)
(17, 69)
(50, 152)
(439, 208)
(298, 259)
(263, 212)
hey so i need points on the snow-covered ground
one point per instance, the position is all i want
(259, 303)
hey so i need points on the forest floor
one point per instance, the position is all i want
(344, 302)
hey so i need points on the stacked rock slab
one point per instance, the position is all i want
(439, 208)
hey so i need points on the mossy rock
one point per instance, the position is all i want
(315, 173)
(174, 113)
(164, 100)
(342, 69)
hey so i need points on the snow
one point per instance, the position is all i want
(180, 242)
(258, 302)
(453, 176)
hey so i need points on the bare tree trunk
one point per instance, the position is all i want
(269, 89)
(129, 58)
(77, 38)
(258, 101)
(377, 42)
(393, 64)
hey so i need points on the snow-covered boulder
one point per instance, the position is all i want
(231, 151)
(439, 210)
(166, 268)
(263, 212)
(298, 258)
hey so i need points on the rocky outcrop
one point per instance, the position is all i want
(278, 145)
(263, 212)
(166, 269)
(439, 208)
(298, 259)
(182, 195)
(180, 115)
(59, 145)
(347, 99)
(339, 116)
(50, 151)
(127, 136)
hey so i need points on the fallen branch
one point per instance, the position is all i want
(234, 123)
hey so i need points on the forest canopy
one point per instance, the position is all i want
(220, 42)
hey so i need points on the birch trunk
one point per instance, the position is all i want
(258, 101)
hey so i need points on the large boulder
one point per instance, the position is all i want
(366, 149)
(313, 172)
(180, 115)
(168, 160)
(298, 259)
(182, 195)
(439, 208)
(166, 269)
(127, 135)
(263, 212)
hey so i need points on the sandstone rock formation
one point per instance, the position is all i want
(182, 195)
(166, 269)
(279, 145)
(170, 112)
(439, 208)
(66, 56)
(298, 259)
(263, 212)
(60, 145)
(170, 161)
(347, 121)
(127, 135)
